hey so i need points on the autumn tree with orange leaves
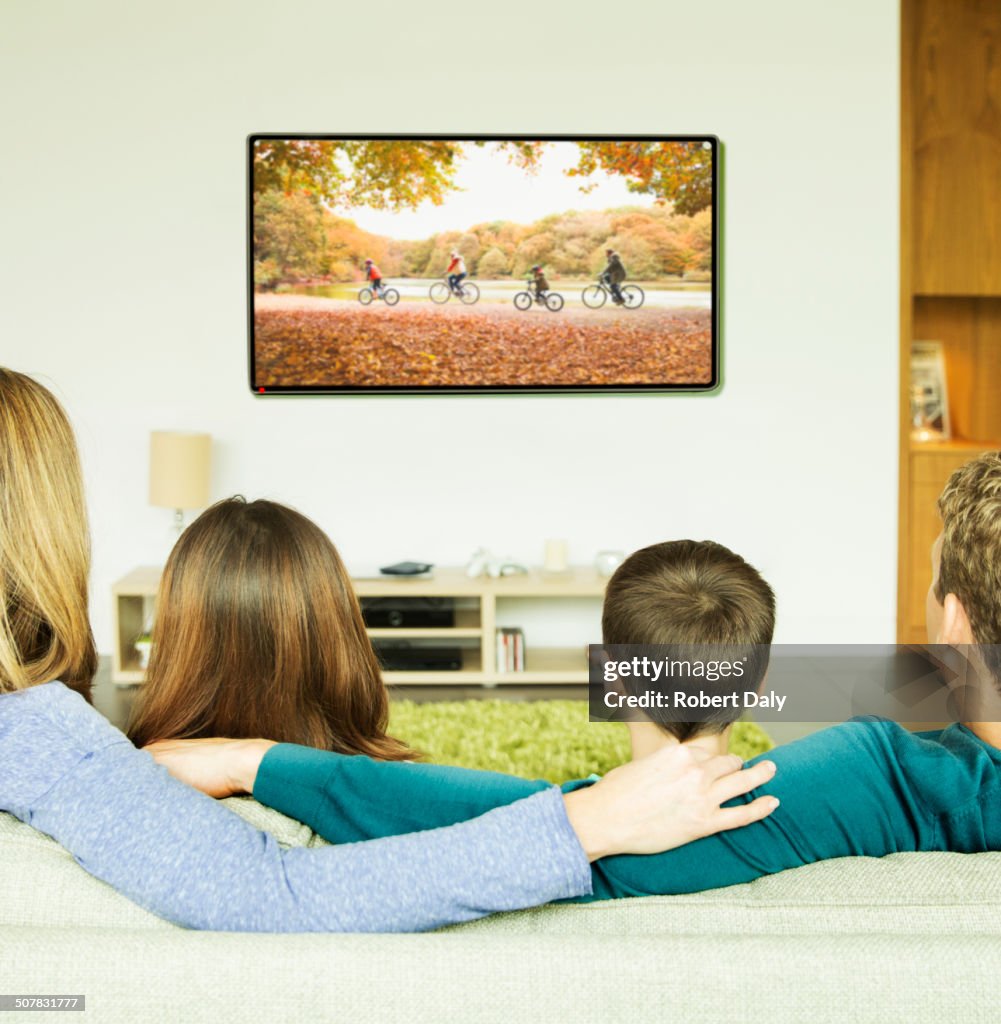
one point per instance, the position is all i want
(384, 174)
(397, 174)
(676, 172)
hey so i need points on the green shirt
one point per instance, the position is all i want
(862, 788)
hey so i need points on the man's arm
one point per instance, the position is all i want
(347, 799)
(842, 793)
(841, 789)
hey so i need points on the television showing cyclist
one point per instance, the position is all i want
(406, 263)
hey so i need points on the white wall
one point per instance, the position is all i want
(122, 276)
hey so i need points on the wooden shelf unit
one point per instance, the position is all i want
(477, 603)
(950, 258)
(478, 620)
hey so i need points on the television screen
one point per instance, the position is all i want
(516, 263)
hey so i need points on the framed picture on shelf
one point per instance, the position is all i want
(929, 393)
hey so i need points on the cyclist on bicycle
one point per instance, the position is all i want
(540, 282)
(374, 276)
(456, 271)
(614, 274)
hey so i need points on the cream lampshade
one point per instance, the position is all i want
(179, 468)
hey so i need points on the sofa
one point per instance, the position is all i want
(910, 937)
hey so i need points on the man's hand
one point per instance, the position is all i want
(666, 800)
(218, 767)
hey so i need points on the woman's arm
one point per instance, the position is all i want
(67, 772)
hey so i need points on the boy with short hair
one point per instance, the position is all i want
(695, 595)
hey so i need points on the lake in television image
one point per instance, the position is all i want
(399, 264)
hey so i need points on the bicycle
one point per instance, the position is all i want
(553, 301)
(595, 296)
(467, 292)
(388, 295)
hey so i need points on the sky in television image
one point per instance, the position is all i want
(408, 263)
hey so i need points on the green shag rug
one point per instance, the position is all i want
(544, 739)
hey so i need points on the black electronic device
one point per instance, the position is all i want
(399, 612)
(401, 656)
(406, 569)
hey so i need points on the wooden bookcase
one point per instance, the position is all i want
(950, 257)
(480, 604)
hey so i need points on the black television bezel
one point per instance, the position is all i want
(490, 389)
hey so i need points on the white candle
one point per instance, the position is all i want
(556, 556)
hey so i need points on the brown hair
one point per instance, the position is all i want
(258, 633)
(970, 565)
(44, 544)
(688, 593)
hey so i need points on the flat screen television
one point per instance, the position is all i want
(514, 263)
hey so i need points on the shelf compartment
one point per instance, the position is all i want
(467, 626)
(549, 665)
(471, 673)
(471, 670)
(969, 329)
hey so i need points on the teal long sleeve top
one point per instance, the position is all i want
(861, 788)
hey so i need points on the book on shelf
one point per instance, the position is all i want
(510, 649)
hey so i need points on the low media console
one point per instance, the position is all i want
(446, 617)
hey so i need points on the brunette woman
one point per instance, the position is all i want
(258, 633)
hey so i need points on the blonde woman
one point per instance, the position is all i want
(65, 770)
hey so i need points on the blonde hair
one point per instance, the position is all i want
(970, 566)
(258, 633)
(44, 543)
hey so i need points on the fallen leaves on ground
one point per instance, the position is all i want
(491, 345)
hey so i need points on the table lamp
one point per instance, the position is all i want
(179, 468)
